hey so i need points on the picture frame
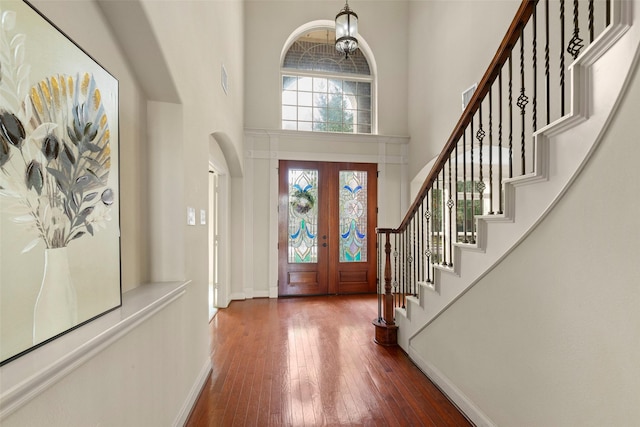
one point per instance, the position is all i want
(60, 249)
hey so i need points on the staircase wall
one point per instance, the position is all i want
(551, 336)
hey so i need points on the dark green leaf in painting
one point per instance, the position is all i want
(92, 147)
(86, 212)
(51, 147)
(60, 177)
(90, 229)
(76, 200)
(34, 176)
(68, 155)
(89, 197)
(11, 129)
(4, 152)
(77, 235)
(107, 197)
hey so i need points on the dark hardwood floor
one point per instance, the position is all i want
(312, 362)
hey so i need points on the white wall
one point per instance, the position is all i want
(144, 378)
(268, 24)
(451, 44)
(550, 336)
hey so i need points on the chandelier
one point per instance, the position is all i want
(346, 30)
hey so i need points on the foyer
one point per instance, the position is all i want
(311, 361)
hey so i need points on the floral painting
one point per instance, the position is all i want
(59, 210)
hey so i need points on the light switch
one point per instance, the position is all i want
(191, 216)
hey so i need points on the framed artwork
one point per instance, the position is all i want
(59, 184)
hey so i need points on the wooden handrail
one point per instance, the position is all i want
(500, 58)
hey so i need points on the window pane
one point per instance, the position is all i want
(335, 86)
(364, 103)
(305, 99)
(289, 83)
(319, 127)
(319, 84)
(335, 101)
(364, 129)
(364, 118)
(319, 100)
(353, 216)
(364, 88)
(303, 216)
(304, 83)
(289, 125)
(305, 126)
(289, 97)
(319, 114)
(289, 113)
(349, 88)
(349, 102)
(305, 113)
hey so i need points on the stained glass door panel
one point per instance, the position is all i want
(327, 211)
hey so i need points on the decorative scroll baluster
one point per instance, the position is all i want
(473, 182)
(450, 205)
(427, 217)
(403, 257)
(576, 43)
(562, 58)
(455, 186)
(480, 185)
(443, 234)
(422, 245)
(500, 196)
(412, 251)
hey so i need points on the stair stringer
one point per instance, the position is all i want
(598, 77)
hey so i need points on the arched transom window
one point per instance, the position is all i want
(322, 90)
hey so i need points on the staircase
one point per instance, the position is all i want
(431, 260)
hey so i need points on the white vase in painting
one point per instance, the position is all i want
(56, 308)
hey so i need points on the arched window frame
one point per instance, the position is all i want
(362, 45)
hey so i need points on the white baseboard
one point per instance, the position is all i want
(462, 401)
(193, 395)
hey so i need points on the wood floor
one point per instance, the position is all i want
(312, 362)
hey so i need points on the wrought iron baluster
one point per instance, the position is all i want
(396, 284)
(379, 271)
(450, 206)
(547, 60)
(534, 105)
(562, 109)
(456, 189)
(403, 263)
(422, 246)
(500, 200)
(472, 190)
(427, 217)
(443, 234)
(607, 13)
(522, 103)
(412, 257)
(510, 116)
(436, 208)
(591, 18)
(576, 43)
(491, 212)
(464, 186)
(480, 185)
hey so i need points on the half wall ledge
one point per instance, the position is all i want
(26, 377)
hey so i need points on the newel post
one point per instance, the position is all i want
(386, 329)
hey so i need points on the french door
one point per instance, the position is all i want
(327, 220)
